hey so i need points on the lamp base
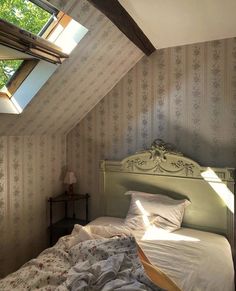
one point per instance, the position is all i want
(70, 190)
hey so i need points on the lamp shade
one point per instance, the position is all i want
(70, 178)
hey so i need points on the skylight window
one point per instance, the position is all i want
(26, 15)
(34, 38)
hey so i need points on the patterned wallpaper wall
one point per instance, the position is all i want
(184, 95)
(92, 70)
(30, 164)
(30, 169)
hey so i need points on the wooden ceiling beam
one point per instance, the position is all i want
(121, 18)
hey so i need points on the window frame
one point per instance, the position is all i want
(46, 6)
(19, 76)
(29, 64)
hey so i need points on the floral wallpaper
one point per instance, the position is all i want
(94, 67)
(32, 144)
(184, 95)
(30, 171)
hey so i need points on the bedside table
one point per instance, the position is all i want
(65, 225)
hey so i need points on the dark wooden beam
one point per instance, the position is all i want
(121, 18)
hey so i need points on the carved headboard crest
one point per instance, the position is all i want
(161, 158)
(159, 149)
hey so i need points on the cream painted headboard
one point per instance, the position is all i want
(165, 171)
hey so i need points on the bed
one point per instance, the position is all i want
(193, 259)
(207, 222)
(193, 256)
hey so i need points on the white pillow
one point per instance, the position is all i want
(155, 209)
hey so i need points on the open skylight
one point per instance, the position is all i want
(24, 57)
(26, 15)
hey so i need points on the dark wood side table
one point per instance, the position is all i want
(65, 225)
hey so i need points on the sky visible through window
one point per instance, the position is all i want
(27, 16)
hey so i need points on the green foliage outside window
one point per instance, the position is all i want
(23, 14)
(7, 69)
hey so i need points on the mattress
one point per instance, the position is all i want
(195, 260)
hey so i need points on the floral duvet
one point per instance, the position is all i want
(88, 259)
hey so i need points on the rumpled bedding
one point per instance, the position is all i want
(91, 258)
(107, 264)
(195, 260)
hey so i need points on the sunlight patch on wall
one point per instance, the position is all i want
(219, 187)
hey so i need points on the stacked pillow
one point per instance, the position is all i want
(155, 209)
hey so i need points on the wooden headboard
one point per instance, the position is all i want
(163, 170)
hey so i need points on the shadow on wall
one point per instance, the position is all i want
(197, 145)
(206, 151)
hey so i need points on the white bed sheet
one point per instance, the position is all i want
(195, 260)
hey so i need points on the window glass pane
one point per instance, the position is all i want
(24, 14)
(7, 70)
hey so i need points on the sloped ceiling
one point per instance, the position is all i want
(171, 23)
(100, 60)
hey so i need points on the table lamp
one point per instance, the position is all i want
(70, 179)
